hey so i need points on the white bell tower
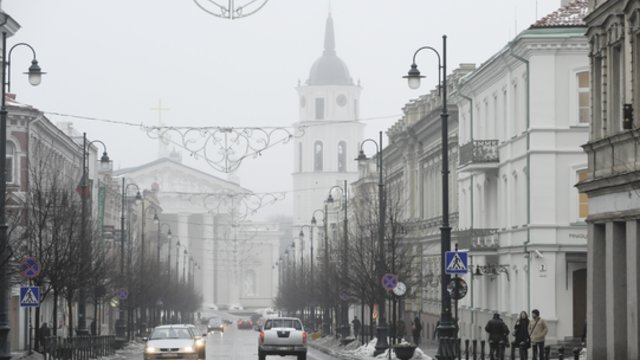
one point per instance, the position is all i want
(329, 110)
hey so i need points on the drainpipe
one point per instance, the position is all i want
(528, 122)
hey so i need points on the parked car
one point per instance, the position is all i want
(282, 336)
(215, 324)
(244, 324)
(172, 341)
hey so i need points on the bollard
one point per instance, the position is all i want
(547, 352)
(561, 353)
(482, 349)
(576, 353)
(475, 349)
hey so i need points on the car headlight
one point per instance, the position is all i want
(199, 343)
(150, 350)
(188, 349)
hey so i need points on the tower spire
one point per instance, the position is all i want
(329, 37)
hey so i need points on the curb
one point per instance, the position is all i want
(330, 351)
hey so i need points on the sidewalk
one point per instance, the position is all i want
(355, 351)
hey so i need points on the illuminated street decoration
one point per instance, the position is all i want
(234, 9)
(224, 148)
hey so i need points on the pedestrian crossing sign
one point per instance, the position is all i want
(455, 262)
(29, 296)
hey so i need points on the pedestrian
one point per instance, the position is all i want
(416, 330)
(356, 326)
(521, 332)
(94, 331)
(43, 334)
(498, 332)
(537, 331)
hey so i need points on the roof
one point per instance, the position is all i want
(570, 15)
(329, 69)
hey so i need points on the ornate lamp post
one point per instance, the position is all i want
(345, 329)
(313, 225)
(447, 328)
(381, 330)
(85, 250)
(120, 323)
(35, 76)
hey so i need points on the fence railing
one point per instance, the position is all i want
(453, 349)
(79, 347)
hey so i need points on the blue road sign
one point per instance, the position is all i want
(29, 267)
(29, 296)
(455, 262)
(122, 294)
(389, 281)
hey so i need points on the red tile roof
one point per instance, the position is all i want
(571, 15)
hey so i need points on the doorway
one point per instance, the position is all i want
(579, 301)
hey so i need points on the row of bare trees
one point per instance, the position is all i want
(327, 285)
(45, 219)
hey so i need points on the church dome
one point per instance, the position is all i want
(329, 69)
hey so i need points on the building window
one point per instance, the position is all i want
(584, 97)
(616, 82)
(583, 199)
(342, 156)
(319, 108)
(636, 81)
(598, 126)
(317, 156)
(10, 162)
(299, 157)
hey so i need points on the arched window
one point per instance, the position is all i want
(342, 156)
(317, 156)
(10, 162)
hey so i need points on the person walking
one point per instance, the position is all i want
(43, 334)
(537, 332)
(521, 333)
(416, 330)
(356, 326)
(498, 332)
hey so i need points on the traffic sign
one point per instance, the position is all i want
(457, 288)
(389, 281)
(122, 293)
(114, 302)
(455, 262)
(29, 267)
(29, 296)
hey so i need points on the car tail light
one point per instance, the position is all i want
(304, 337)
(262, 337)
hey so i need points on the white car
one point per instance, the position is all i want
(282, 336)
(172, 341)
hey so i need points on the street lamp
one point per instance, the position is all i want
(446, 327)
(35, 75)
(381, 330)
(326, 324)
(85, 254)
(120, 325)
(345, 329)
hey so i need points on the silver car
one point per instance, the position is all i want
(171, 342)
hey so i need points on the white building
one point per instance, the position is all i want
(521, 218)
(324, 156)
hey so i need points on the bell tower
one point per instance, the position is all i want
(328, 106)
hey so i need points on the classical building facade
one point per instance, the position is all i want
(523, 222)
(613, 180)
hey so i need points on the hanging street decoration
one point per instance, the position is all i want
(233, 9)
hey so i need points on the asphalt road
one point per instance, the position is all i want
(243, 345)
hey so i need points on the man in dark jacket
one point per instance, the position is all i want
(498, 332)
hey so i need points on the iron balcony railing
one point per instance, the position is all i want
(479, 151)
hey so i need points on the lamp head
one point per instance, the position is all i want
(413, 77)
(169, 234)
(301, 234)
(313, 220)
(330, 199)
(105, 158)
(156, 220)
(178, 244)
(478, 272)
(35, 73)
(138, 198)
(362, 156)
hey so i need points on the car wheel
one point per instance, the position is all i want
(302, 356)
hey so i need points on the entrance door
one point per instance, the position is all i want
(579, 301)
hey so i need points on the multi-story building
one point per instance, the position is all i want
(520, 130)
(612, 181)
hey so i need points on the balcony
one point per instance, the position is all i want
(479, 155)
(479, 239)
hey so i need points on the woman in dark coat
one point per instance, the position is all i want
(521, 331)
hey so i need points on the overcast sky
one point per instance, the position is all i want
(116, 59)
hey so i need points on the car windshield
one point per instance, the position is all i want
(171, 333)
(214, 321)
(283, 323)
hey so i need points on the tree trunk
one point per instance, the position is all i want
(70, 305)
(55, 314)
